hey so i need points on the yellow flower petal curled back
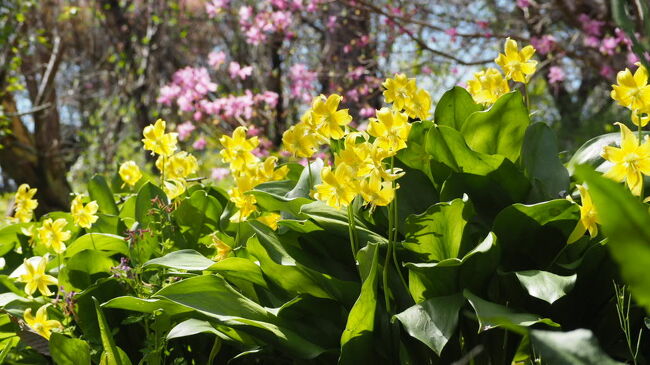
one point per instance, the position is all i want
(400, 90)
(246, 203)
(83, 215)
(376, 192)
(517, 64)
(52, 234)
(487, 86)
(419, 107)
(630, 162)
(632, 90)
(391, 130)
(177, 166)
(588, 217)
(300, 141)
(237, 149)
(40, 323)
(356, 155)
(338, 187)
(35, 277)
(130, 173)
(328, 118)
(173, 188)
(223, 250)
(157, 141)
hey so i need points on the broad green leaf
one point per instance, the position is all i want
(84, 268)
(276, 203)
(491, 315)
(9, 236)
(414, 155)
(437, 234)
(577, 347)
(626, 223)
(212, 296)
(145, 305)
(143, 202)
(454, 107)
(291, 275)
(102, 290)
(545, 285)
(433, 321)
(111, 356)
(183, 260)
(499, 129)
(451, 276)
(99, 191)
(539, 156)
(108, 243)
(302, 188)
(416, 193)
(191, 327)
(590, 153)
(531, 236)
(241, 269)
(357, 338)
(69, 351)
(200, 213)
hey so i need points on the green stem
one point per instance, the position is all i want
(311, 180)
(395, 261)
(351, 230)
(527, 97)
(92, 240)
(385, 277)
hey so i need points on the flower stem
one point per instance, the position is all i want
(352, 231)
(92, 240)
(311, 180)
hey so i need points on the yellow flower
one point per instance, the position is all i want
(25, 205)
(631, 161)
(376, 192)
(244, 202)
(130, 173)
(271, 220)
(266, 171)
(632, 91)
(419, 106)
(639, 119)
(52, 235)
(487, 86)
(399, 90)
(328, 118)
(300, 141)
(338, 188)
(157, 141)
(40, 323)
(83, 216)
(588, 217)
(174, 188)
(223, 250)
(356, 155)
(177, 166)
(517, 64)
(35, 278)
(237, 149)
(391, 129)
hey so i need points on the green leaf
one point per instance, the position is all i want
(183, 260)
(99, 191)
(546, 286)
(626, 223)
(191, 327)
(531, 236)
(69, 351)
(109, 243)
(437, 234)
(357, 338)
(143, 203)
(491, 315)
(143, 305)
(200, 214)
(577, 347)
(276, 203)
(590, 152)
(82, 269)
(454, 107)
(414, 155)
(433, 321)
(500, 129)
(302, 188)
(539, 156)
(110, 350)
(9, 237)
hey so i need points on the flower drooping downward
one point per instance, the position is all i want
(631, 161)
(588, 217)
(40, 323)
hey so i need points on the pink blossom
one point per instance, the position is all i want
(188, 86)
(426, 70)
(632, 58)
(363, 126)
(264, 148)
(168, 93)
(220, 173)
(268, 97)
(216, 59)
(199, 144)
(197, 115)
(591, 27)
(245, 13)
(302, 82)
(454, 70)
(622, 38)
(482, 24)
(331, 22)
(453, 33)
(347, 48)
(253, 131)
(255, 36)
(214, 7)
(281, 20)
(184, 130)
(608, 45)
(353, 95)
(555, 75)
(523, 4)
(356, 73)
(280, 4)
(591, 41)
(364, 40)
(607, 72)
(236, 70)
(543, 44)
(367, 112)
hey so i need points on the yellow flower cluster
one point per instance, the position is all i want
(24, 204)
(489, 84)
(630, 162)
(247, 170)
(83, 215)
(174, 167)
(52, 234)
(633, 92)
(317, 125)
(406, 96)
(35, 278)
(40, 323)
